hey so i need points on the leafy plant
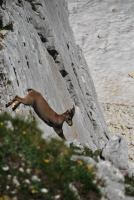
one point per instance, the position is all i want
(129, 185)
(33, 168)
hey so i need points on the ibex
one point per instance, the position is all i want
(44, 111)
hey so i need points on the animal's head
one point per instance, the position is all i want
(69, 116)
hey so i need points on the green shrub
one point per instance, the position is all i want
(36, 169)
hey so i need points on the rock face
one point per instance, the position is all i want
(116, 151)
(112, 167)
(37, 50)
(113, 180)
(104, 31)
(119, 119)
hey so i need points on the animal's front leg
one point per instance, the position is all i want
(16, 101)
(16, 105)
(59, 131)
(11, 102)
(24, 100)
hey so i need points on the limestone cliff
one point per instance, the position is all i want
(104, 31)
(37, 50)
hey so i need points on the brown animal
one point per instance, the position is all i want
(44, 111)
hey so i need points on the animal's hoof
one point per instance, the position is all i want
(13, 108)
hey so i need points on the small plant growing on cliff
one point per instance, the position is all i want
(8, 26)
(9, 82)
(3, 31)
(33, 168)
(129, 185)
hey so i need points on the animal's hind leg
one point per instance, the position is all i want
(59, 131)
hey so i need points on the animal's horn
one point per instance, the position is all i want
(29, 89)
(72, 111)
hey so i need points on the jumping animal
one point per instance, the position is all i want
(44, 111)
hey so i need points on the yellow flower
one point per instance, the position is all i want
(65, 151)
(80, 162)
(5, 197)
(46, 161)
(1, 124)
(90, 167)
(33, 190)
(24, 132)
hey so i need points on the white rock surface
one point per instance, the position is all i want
(104, 30)
(39, 52)
(113, 181)
(116, 151)
(120, 120)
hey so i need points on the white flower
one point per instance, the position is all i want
(9, 125)
(28, 170)
(13, 192)
(44, 190)
(23, 164)
(7, 187)
(35, 178)
(15, 181)
(94, 181)
(27, 181)
(21, 169)
(5, 168)
(57, 196)
(9, 176)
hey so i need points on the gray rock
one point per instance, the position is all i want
(116, 151)
(96, 27)
(112, 180)
(39, 52)
(103, 29)
(129, 198)
(131, 169)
